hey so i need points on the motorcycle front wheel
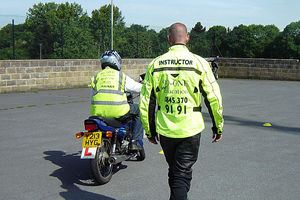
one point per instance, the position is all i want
(100, 166)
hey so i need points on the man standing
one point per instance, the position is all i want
(175, 81)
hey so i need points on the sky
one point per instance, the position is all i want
(158, 14)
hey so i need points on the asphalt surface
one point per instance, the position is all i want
(40, 157)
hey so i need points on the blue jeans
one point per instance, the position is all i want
(138, 130)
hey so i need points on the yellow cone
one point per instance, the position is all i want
(267, 124)
(161, 152)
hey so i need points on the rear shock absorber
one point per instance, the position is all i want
(114, 141)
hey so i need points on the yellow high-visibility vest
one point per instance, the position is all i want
(109, 98)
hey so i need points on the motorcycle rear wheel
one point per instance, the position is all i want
(101, 169)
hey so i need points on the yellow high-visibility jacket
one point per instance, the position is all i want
(175, 82)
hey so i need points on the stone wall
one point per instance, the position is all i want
(270, 69)
(27, 75)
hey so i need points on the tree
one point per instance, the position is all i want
(65, 31)
(62, 29)
(6, 43)
(240, 42)
(139, 42)
(291, 37)
(217, 35)
(132, 41)
(101, 27)
(154, 49)
(270, 34)
(198, 41)
(72, 29)
(287, 43)
(38, 23)
(163, 43)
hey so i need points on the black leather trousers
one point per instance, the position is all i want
(181, 154)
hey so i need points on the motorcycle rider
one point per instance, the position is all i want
(108, 94)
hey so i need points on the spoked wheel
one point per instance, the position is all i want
(100, 166)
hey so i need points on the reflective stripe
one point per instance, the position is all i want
(120, 81)
(108, 103)
(95, 88)
(95, 79)
(110, 91)
(177, 69)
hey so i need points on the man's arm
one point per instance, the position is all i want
(147, 104)
(213, 100)
(132, 85)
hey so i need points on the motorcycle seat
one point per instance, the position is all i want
(113, 122)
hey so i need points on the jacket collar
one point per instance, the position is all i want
(178, 47)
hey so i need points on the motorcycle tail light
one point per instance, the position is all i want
(79, 135)
(90, 126)
(108, 134)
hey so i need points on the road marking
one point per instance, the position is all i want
(267, 124)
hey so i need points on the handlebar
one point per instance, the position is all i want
(212, 59)
(130, 97)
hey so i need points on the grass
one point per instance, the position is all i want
(49, 104)
(39, 90)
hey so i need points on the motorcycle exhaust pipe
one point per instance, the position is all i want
(117, 159)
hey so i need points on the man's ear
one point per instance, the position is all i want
(170, 40)
(187, 38)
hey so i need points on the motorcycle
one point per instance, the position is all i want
(214, 66)
(107, 142)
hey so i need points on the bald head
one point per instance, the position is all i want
(178, 34)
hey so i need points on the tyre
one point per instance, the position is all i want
(216, 76)
(101, 169)
(141, 155)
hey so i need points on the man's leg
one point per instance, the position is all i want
(181, 154)
(138, 130)
(169, 147)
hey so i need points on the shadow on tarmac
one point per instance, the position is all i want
(73, 171)
(258, 124)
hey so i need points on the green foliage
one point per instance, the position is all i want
(217, 36)
(39, 22)
(240, 42)
(291, 37)
(61, 29)
(139, 42)
(286, 44)
(6, 42)
(65, 31)
(163, 44)
(101, 28)
(198, 41)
